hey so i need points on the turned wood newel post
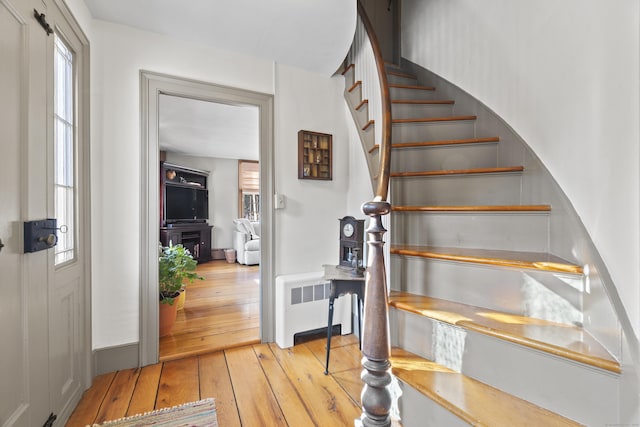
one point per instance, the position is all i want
(376, 348)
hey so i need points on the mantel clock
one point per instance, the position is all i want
(351, 243)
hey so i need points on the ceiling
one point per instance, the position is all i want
(202, 128)
(310, 34)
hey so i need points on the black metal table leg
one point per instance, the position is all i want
(329, 332)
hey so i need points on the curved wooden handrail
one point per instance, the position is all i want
(382, 188)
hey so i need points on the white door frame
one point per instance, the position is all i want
(151, 86)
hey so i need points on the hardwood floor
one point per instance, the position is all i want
(255, 385)
(222, 311)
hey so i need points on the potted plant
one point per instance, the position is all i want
(176, 267)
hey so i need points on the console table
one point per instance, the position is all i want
(342, 282)
(195, 237)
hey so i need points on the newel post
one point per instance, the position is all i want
(376, 348)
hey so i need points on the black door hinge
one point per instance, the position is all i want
(42, 20)
(50, 420)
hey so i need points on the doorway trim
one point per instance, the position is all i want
(152, 85)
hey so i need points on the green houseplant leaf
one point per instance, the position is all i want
(176, 268)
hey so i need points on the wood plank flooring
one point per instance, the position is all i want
(222, 311)
(255, 385)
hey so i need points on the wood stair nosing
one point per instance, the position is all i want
(500, 258)
(506, 169)
(355, 85)
(561, 340)
(368, 124)
(347, 68)
(362, 104)
(487, 208)
(413, 87)
(433, 119)
(419, 144)
(472, 401)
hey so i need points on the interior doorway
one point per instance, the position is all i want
(154, 85)
(209, 154)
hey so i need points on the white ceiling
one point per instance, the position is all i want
(310, 34)
(201, 128)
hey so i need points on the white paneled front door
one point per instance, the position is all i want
(44, 343)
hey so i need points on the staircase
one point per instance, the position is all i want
(496, 318)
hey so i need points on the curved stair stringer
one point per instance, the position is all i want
(593, 291)
(364, 123)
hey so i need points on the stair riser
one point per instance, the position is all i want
(481, 189)
(512, 232)
(355, 96)
(399, 80)
(500, 289)
(417, 410)
(578, 392)
(581, 393)
(467, 156)
(362, 115)
(412, 333)
(506, 289)
(416, 111)
(349, 77)
(403, 93)
(432, 131)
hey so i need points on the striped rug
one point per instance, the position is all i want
(194, 414)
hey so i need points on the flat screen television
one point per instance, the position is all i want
(184, 204)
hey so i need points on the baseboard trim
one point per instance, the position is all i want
(111, 359)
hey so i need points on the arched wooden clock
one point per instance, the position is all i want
(351, 242)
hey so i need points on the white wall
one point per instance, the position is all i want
(223, 194)
(118, 54)
(306, 231)
(565, 76)
(303, 100)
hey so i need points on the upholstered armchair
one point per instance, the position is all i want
(246, 241)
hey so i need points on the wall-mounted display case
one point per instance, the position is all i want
(314, 155)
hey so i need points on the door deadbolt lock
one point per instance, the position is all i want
(1, 245)
(38, 235)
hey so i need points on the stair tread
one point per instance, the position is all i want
(423, 101)
(433, 119)
(418, 144)
(505, 169)
(401, 74)
(567, 341)
(488, 208)
(474, 402)
(415, 87)
(528, 260)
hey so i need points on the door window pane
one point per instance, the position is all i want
(64, 152)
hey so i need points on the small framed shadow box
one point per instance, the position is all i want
(314, 155)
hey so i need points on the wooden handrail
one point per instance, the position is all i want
(376, 348)
(382, 188)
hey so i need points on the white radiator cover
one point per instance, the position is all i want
(302, 304)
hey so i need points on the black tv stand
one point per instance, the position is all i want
(196, 237)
